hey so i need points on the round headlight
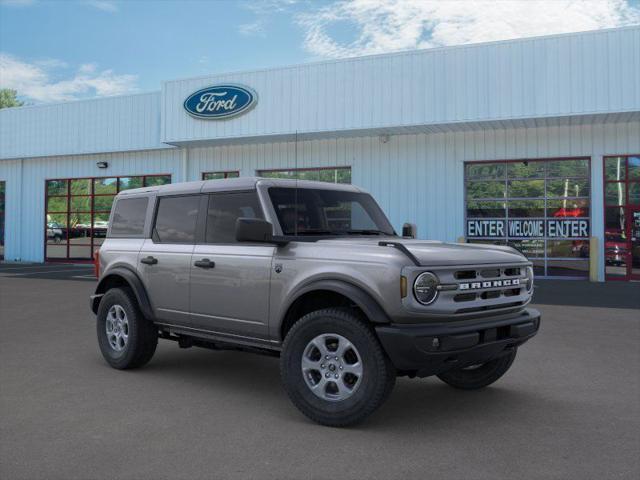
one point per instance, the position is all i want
(425, 288)
(529, 279)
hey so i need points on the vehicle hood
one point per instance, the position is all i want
(435, 253)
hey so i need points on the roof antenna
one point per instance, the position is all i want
(295, 211)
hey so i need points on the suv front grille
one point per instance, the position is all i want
(483, 288)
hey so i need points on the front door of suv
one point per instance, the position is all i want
(230, 280)
(165, 259)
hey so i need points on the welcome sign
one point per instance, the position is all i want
(219, 102)
(528, 228)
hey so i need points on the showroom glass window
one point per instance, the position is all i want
(220, 175)
(77, 212)
(622, 217)
(329, 174)
(540, 207)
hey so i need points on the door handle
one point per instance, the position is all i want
(149, 260)
(204, 263)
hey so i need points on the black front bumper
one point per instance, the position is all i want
(426, 350)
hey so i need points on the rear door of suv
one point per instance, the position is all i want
(165, 258)
(230, 280)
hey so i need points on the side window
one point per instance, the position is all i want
(225, 209)
(128, 217)
(176, 219)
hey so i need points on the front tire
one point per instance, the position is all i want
(126, 338)
(334, 369)
(479, 376)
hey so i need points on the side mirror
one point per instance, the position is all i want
(409, 230)
(256, 230)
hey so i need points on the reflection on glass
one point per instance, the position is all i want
(529, 248)
(80, 204)
(79, 252)
(634, 168)
(634, 193)
(568, 188)
(614, 193)
(57, 204)
(219, 175)
(567, 268)
(127, 183)
(81, 187)
(485, 171)
(526, 169)
(614, 220)
(56, 187)
(526, 208)
(80, 228)
(56, 250)
(614, 168)
(489, 189)
(105, 185)
(331, 175)
(157, 180)
(102, 204)
(486, 209)
(568, 248)
(526, 188)
(568, 168)
(568, 208)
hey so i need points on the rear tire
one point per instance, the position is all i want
(479, 376)
(334, 369)
(126, 338)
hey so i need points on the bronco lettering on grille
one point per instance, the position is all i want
(489, 284)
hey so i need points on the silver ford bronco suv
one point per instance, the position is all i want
(315, 274)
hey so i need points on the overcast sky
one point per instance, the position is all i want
(53, 51)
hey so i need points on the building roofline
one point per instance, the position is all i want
(414, 51)
(332, 61)
(81, 100)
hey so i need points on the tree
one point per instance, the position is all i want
(8, 98)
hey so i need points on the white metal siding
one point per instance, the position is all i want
(25, 195)
(90, 126)
(547, 77)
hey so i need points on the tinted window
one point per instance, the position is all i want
(224, 210)
(176, 219)
(128, 217)
(328, 212)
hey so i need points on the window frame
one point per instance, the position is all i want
(92, 211)
(544, 260)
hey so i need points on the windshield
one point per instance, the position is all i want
(328, 212)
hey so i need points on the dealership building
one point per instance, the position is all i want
(532, 142)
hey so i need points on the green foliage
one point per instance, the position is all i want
(8, 98)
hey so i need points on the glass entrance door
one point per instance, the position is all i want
(622, 217)
(634, 243)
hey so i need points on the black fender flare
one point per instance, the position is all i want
(369, 306)
(133, 281)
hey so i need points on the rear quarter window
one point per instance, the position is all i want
(128, 217)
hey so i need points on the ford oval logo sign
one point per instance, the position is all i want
(220, 101)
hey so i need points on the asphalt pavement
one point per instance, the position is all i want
(568, 409)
